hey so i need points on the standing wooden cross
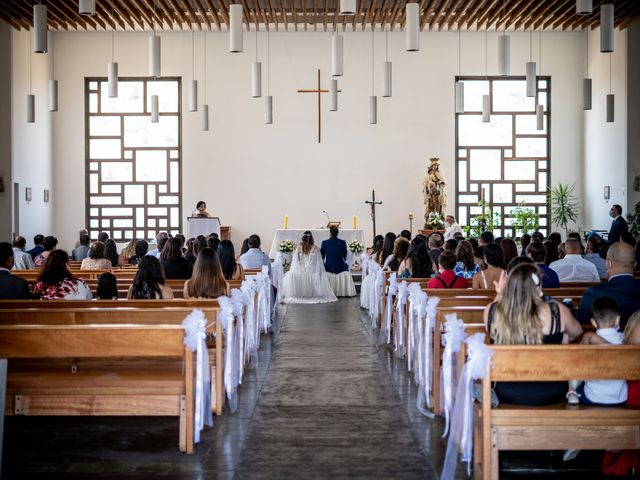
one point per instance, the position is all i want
(372, 203)
(319, 91)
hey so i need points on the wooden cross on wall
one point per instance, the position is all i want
(319, 91)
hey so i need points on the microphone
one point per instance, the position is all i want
(328, 218)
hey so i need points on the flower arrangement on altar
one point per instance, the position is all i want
(286, 246)
(434, 221)
(355, 247)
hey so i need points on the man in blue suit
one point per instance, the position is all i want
(621, 286)
(334, 253)
(619, 225)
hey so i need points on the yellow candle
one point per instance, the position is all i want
(354, 222)
(286, 222)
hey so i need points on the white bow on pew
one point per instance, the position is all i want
(388, 314)
(264, 299)
(230, 316)
(252, 334)
(401, 303)
(452, 338)
(424, 373)
(375, 298)
(417, 311)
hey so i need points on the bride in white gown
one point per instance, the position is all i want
(306, 281)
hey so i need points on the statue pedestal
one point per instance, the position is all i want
(429, 232)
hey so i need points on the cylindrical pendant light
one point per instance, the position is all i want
(531, 79)
(40, 29)
(155, 109)
(348, 7)
(504, 55)
(53, 95)
(539, 117)
(87, 7)
(606, 27)
(268, 109)
(31, 108)
(112, 79)
(256, 79)
(235, 28)
(387, 71)
(412, 26)
(205, 106)
(584, 7)
(373, 109)
(154, 56)
(459, 97)
(333, 95)
(205, 117)
(486, 108)
(586, 94)
(193, 96)
(337, 55)
(610, 108)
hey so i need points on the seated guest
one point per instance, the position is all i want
(628, 237)
(486, 238)
(548, 277)
(21, 259)
(227, 256)
(450, 244)
(452, 227)
(621, 286)
(142, 247)
(96, 260)
(111, 252)
(594, 245)
(48, 244)
(244, 248)
(183, 240)
(254, 258)
(213, 242)
(400, 250)
(149, 283)
(207, 280)
(458, 236)
(83, 231)
(519, 261)
(574, 268)
(561, 251)
(159, 244)
(172, 261)
(509, 249)
(519, 316)
(334, 255)
(190, 255)
(466, 265)
(107, 287)
(38, 248)
(576, 236)
(387, 248)
(494, 260)
(82, 250)
(56, 282)
(551, 252)
(477, 251)
(554, 237)
(11, 287)
(103, 237)
(618, 226)
(446, 277)
(127, 252)
(525, 240)
(418, 263)
(406, 234)
(434, 242)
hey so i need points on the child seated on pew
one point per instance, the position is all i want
(107, 288)
(605, 318)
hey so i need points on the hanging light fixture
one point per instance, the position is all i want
(611, 103)
(348, 7)
(337, 54)
(193, 85)
(333, 95)
(539, 107)
(606, 27)
(504, 49)
(53, 84)
(235, 28)
(268, 100)
(412, 26)
(373, 100)
(87, 7)
(586, 82)
(154, 51)
(459, 88)
(256, 74)
(205, 107)
(31, 99)
(39, 28)
(486, 99)
(387, 71)
(584, 7)
(531, 70)
(112, 76)
(155, 109)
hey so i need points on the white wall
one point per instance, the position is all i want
(31, 157)
(251, 174)
(605, 143)
(633, 114)
(6, 213)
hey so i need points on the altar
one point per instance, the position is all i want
(319, 235)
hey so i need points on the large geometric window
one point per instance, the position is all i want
(133, 179)
(506, 161)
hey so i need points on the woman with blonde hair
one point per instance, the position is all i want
(207, 279)
(127, 252)
(520, 316)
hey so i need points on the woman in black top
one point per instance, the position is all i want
(172, 261)
(142, 247)
(111, 252)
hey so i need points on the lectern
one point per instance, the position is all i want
(203, 226)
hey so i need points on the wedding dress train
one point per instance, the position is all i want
(306, 281)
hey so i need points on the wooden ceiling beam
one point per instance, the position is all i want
(16, 21)
(429, 7)
(272, 13)
(294, 14)
(335, 17)
(481, 17)
(436, 16)
(203, 14)
(567, 8)
(183, 21)
(378, 17)
(283, 14)
(561, 4)
(64, 11)
(190, 15)
(213, 13)
(394, 15)
(24, 11)
(304, 15)
(134, 10)
(367, 15)
(455, 9)
(471, 12)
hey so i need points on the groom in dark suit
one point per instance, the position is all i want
(334, 253)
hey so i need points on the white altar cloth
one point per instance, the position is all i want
(319, 235)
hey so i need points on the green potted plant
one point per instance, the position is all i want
(488, 220)
(563, 205)
(633, 219)
(524, 219)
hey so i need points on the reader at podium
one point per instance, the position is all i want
(201, 210)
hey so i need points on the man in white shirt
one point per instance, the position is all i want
(21, 259)
(452, 227)
(254, 258)
(574, 268)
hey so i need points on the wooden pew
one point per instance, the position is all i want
(51, 392)
(554, 427)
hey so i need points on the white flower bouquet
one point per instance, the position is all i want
(286, 246)
(355, 247)
(434, 221)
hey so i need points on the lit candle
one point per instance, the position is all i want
(286, 222)
(410, 214)
(355, 223)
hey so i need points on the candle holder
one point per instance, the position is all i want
(411, 223)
